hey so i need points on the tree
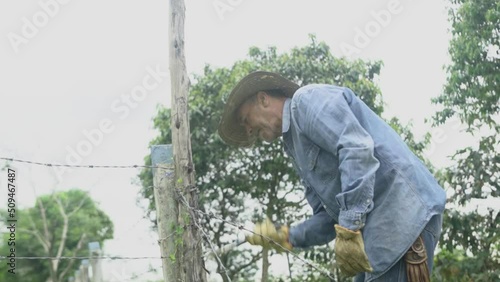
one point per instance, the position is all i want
(470, 240)
(238, 185)
(58, 225)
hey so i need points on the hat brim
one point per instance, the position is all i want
(230, 130)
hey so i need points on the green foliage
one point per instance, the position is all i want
(86, 219)
(476, 173)
(471, 239)
(471, 91)
(249, 184)
(417, 147)
(457, 266)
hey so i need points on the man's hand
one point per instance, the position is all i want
(269, 231)
(350, 252)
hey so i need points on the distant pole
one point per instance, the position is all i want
(192, 261)
(166, 211)
(78, 277)
(95, 262)
(84, 270)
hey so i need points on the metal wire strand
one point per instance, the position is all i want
(241, 227)
(183, 201)
(80, 258)
(77, 166)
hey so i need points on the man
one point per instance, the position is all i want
(365, 186)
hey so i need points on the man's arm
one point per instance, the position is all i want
(317, 230)
(327, 120)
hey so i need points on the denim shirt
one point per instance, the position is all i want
(358, 173)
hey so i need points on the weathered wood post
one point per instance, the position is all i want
(192, 261)
(166, 211)
(84, 270)
(95, 262)
(78, 277)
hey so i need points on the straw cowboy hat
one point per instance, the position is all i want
(230, 130)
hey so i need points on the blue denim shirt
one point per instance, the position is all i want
(357, 172)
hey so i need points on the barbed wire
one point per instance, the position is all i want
(186, 204)
(204, 234)
(77, 166)
(304, 261)
(81, 258)
(241, 227)
(184, 201)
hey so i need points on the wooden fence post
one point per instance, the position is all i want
(192, 260)
(84, 270)
(95, 262)
(170, 236)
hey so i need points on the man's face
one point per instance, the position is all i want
(260, 119)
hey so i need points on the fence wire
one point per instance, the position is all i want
(77, 166)
(81, 258)
(184, 202)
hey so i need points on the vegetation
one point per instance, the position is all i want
(241, 185)
(58, 225)
(470, 242)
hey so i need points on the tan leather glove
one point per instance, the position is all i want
(268, 229)
(350, 252)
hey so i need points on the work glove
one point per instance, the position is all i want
(269, 231)
(350, 252)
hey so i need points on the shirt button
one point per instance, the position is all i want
(356, 222)
(368, 200)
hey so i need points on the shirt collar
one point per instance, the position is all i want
(285, 119)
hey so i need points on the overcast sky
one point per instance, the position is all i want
(81, 81)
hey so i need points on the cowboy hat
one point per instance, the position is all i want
(230, 130)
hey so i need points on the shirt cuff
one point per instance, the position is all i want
(352, 220)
